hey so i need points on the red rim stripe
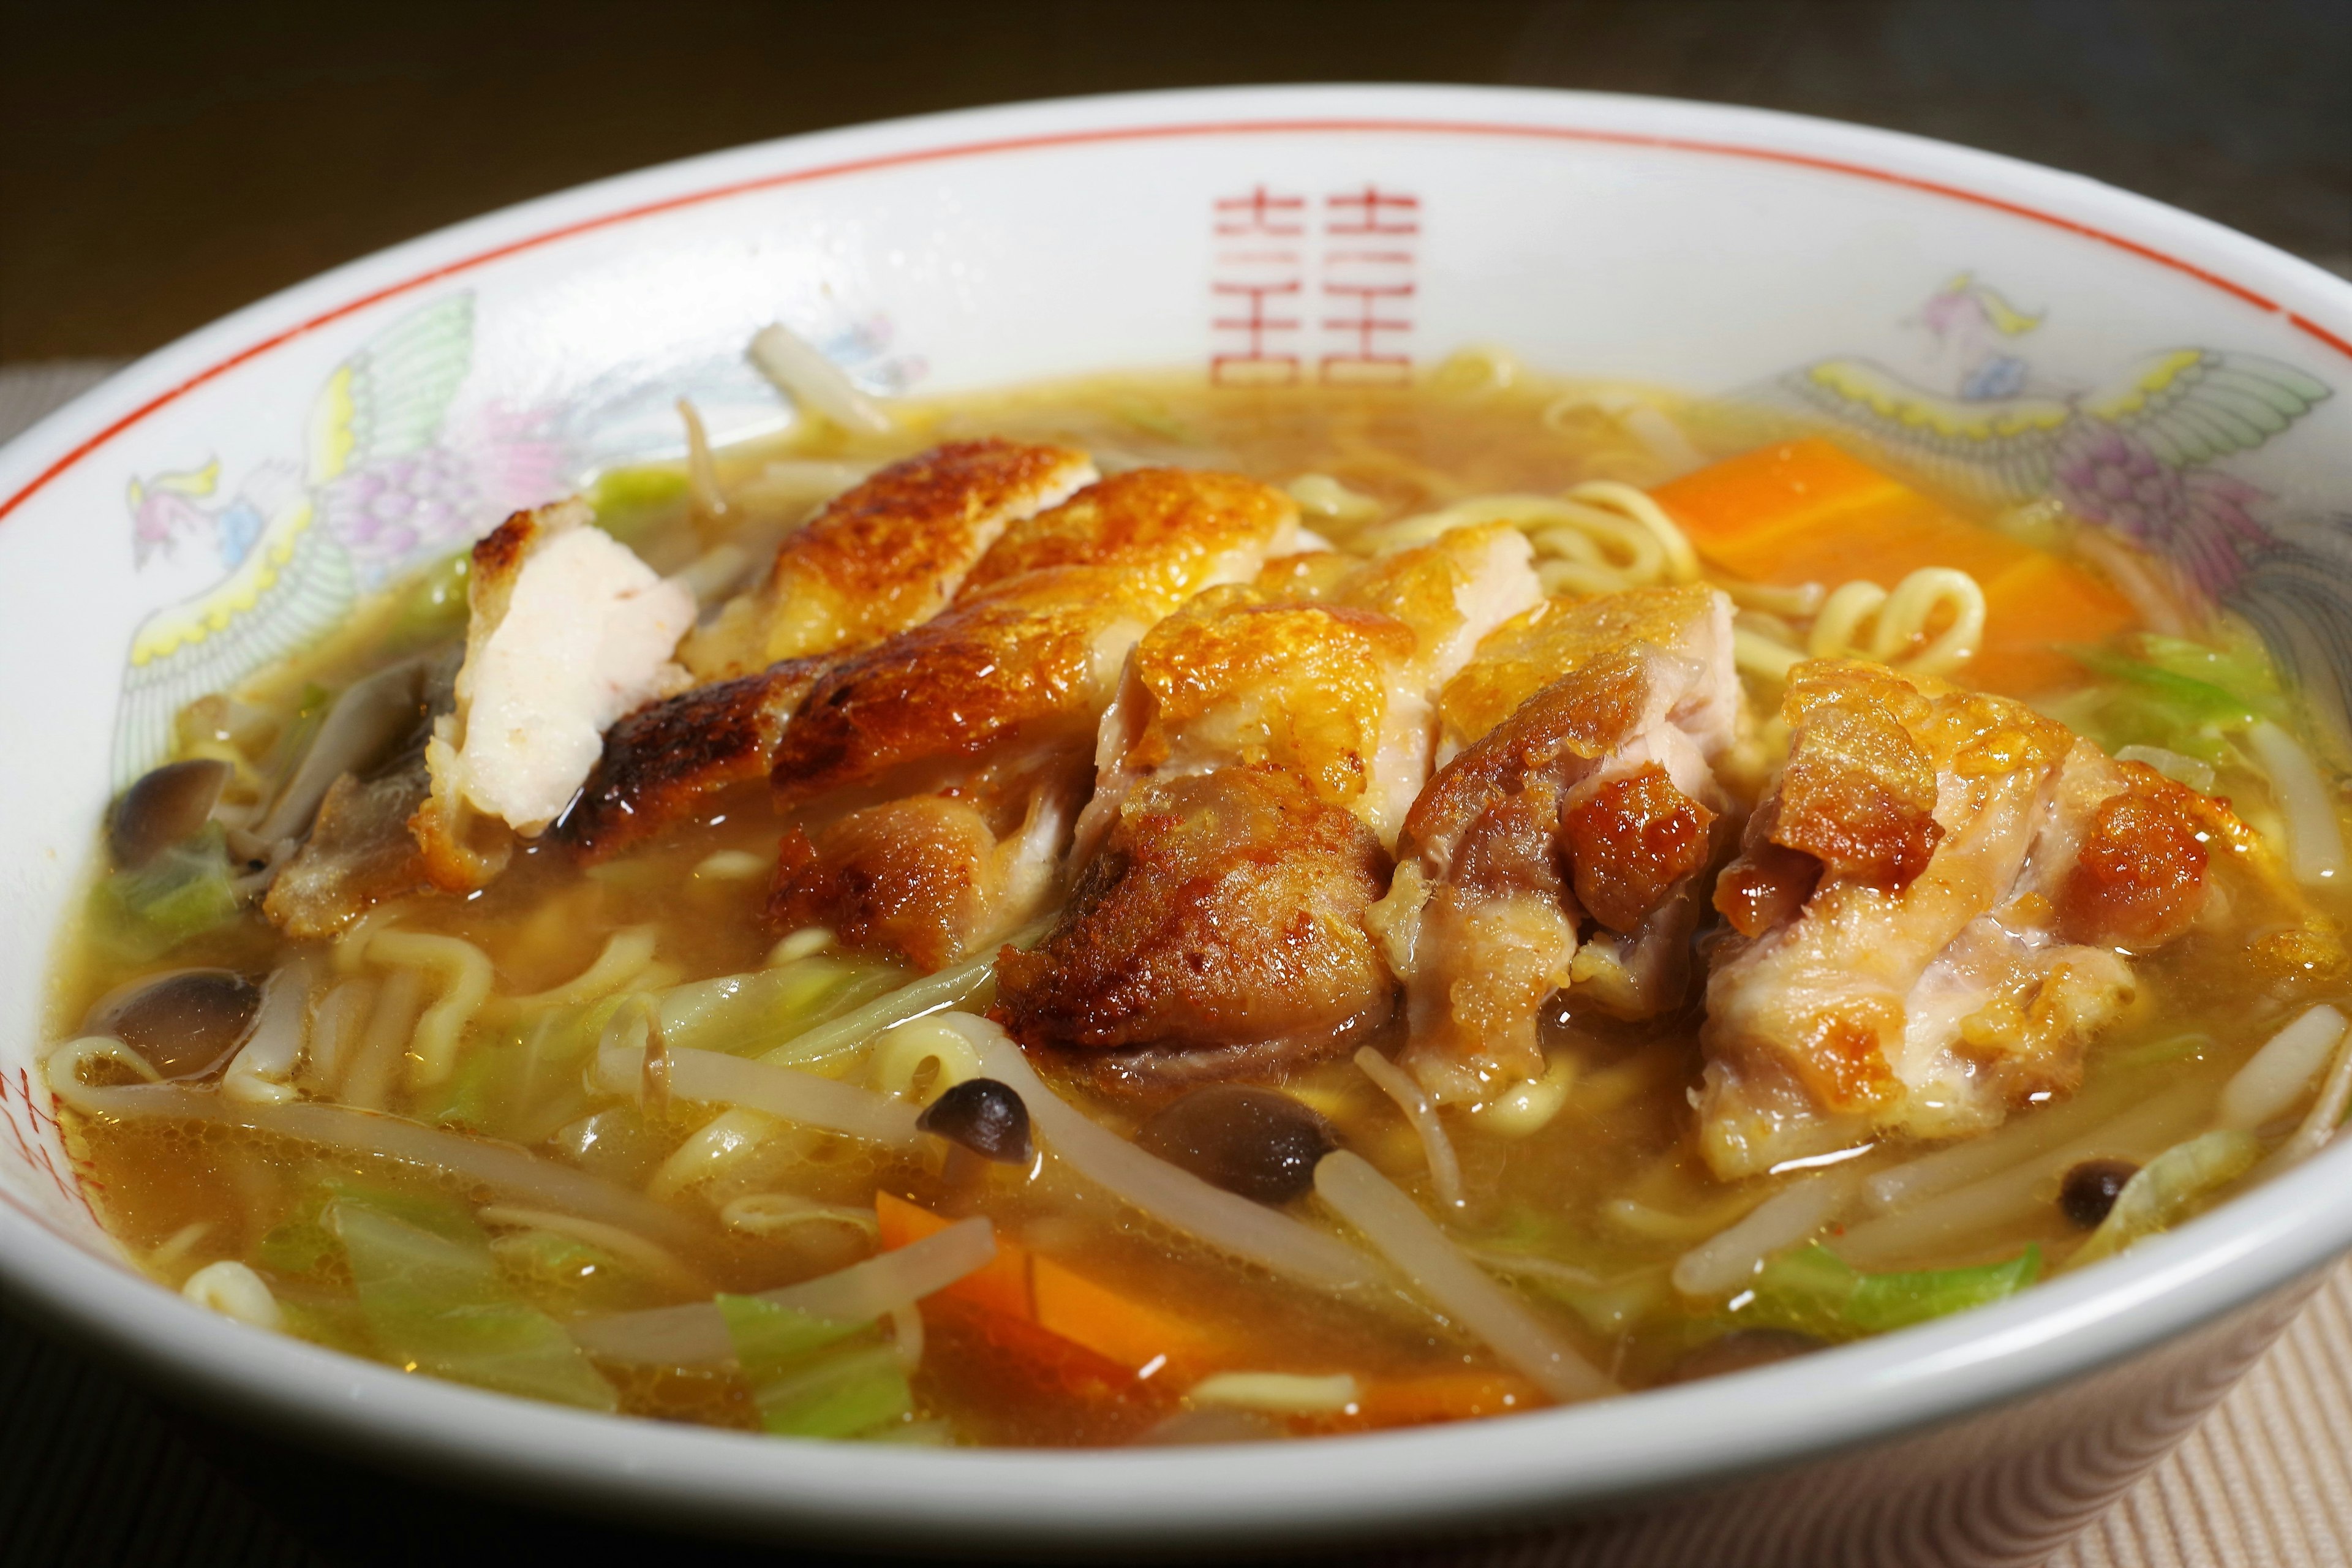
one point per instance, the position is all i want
(1148, 133)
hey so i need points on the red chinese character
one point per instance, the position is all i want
(1367, 364)
(1260, 213)
(1257, 364)
(1371, 211)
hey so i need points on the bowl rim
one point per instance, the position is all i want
(1474, 1473)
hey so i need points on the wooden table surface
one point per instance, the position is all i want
(159, 170)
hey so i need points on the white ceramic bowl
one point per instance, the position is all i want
(151, 536)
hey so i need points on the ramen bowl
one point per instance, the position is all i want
(1277, 235)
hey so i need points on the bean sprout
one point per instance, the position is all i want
(1724, 1262)
(234, 1290)
(723, 1140)
(777, 1213)
(730, 866)
(1276, 1393)
(2276, 1076)
(1437, 1149)
(2320, 1122)
(263, 1069)
(1175, 1197)
(1529, 1106)
(702, 468)
(1452, 1282)
(805, 943)
(2314, 839)
(656, 1263)
(816, 382)
(695, 1335)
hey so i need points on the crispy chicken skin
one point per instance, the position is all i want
(1592, 801)
(1031, 663)
(886, 554)
(998, 698)
(1218, 932)
(1237, 678)
(667, 759)
(1331, 673)
(1174, 531)
(1932, 915)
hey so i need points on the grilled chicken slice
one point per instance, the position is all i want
(1219, 933)
(667, 759)
(933, 876)
(1174, 531)
(1236, 678)
(994, 705)
(886, 554)
(881, 557)
(1932, 912)
(1585, 796)
(1328, 667)
(566, 631)
(1323, 698)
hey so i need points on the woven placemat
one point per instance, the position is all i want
(2267, 1479)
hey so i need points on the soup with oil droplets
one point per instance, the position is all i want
(1126, 912)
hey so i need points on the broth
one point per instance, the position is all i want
(1583, 1211)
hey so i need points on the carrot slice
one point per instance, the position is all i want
(1021, 1285)
(1806, 511)
(1002, 1287)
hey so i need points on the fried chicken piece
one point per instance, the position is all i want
(1008, 684)
(1334, 682)
(886, 554)
(1557, 638)
(566, 630)
(882, 557)
(669, 758)
(1326, 696)
(1029, 664)
(1932, 915)
(1235, 677)
(930, 878)
(1174, 531)
(1219, 933)
(1591, 800)
(1454, 593)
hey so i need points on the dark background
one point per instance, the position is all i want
(159, 165)
(162, 165)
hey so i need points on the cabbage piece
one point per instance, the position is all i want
(744, 1015)
(434, 1302)
(184, 890)
(813, 1377)
(2168, 1189)
(2243, 669)
(1814, 1291)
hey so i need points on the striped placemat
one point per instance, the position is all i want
(97, 1476)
